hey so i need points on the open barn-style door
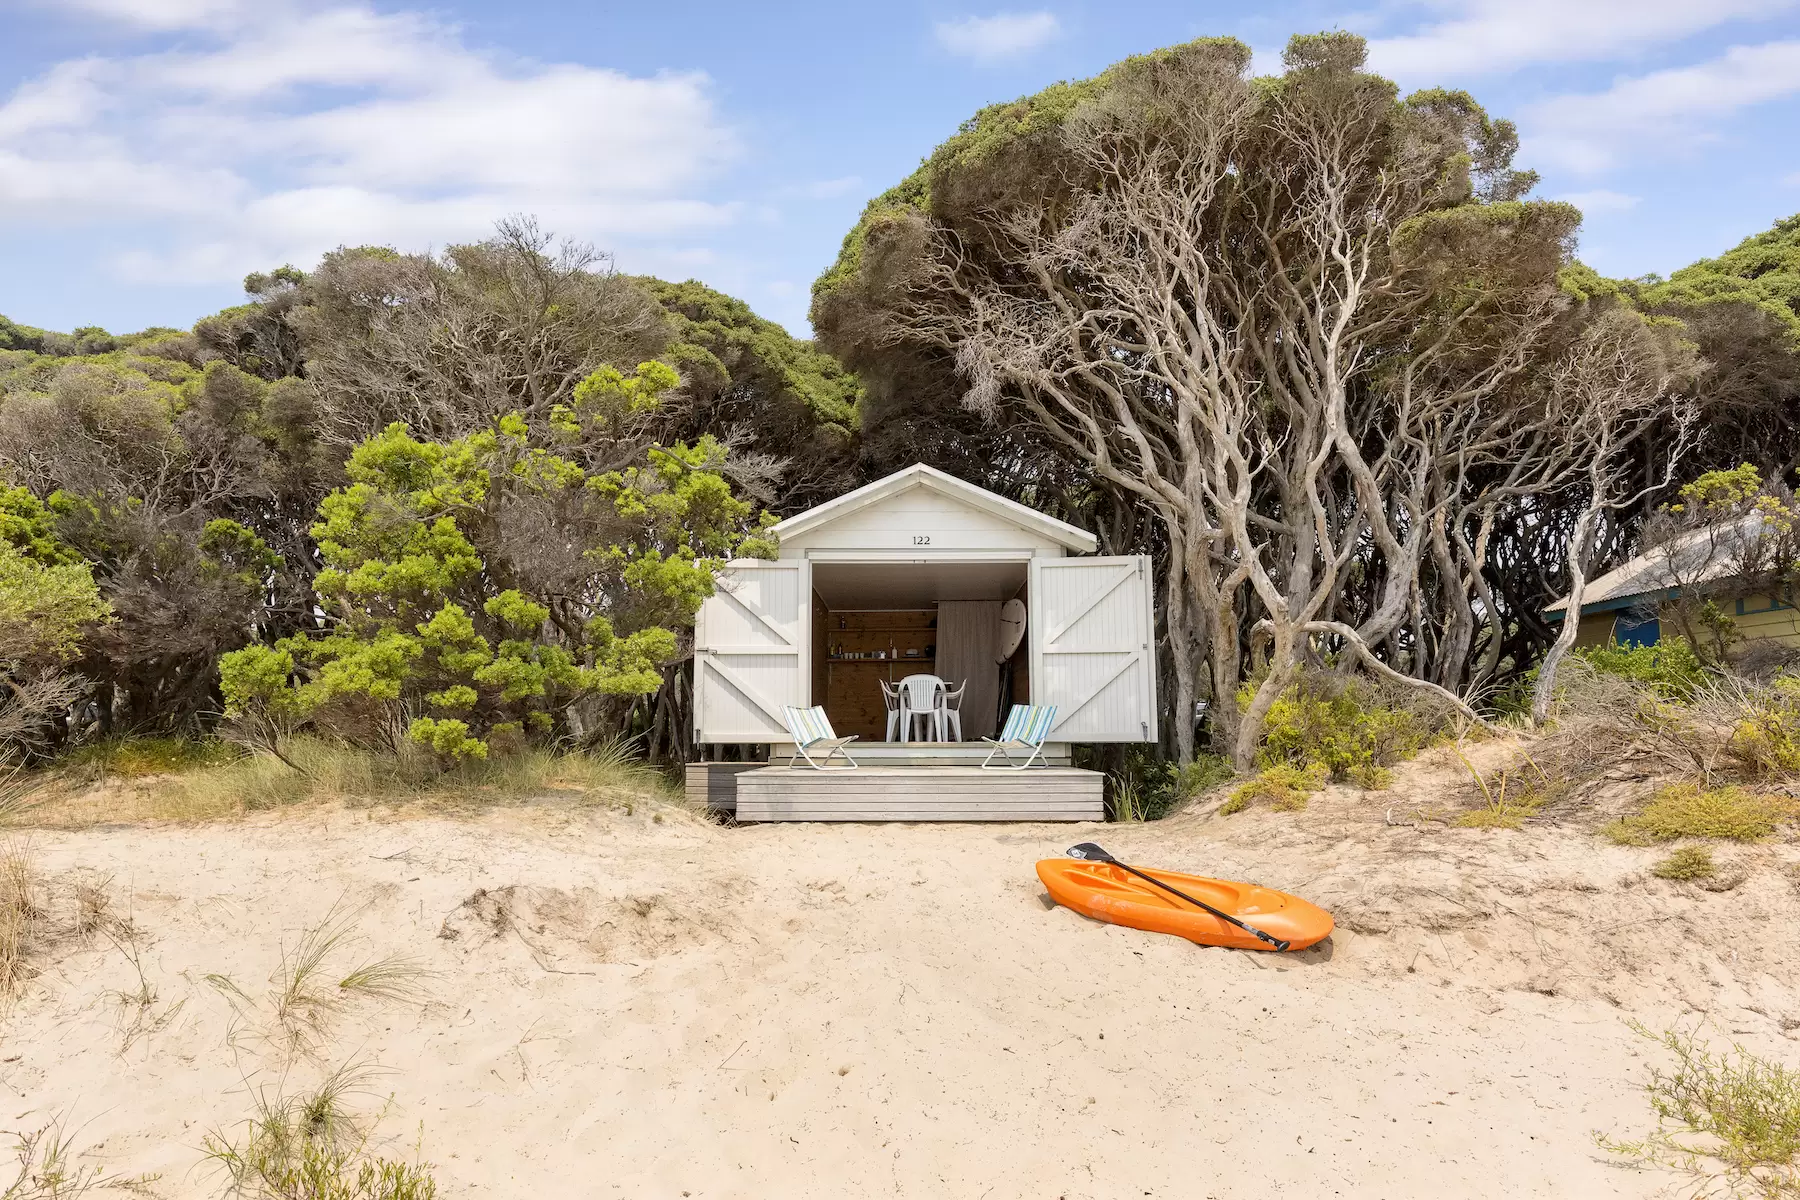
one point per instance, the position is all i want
(1093, 652)
(750, 652)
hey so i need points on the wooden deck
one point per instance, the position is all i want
(932, 793)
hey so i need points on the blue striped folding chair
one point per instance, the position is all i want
(813, 734)
(1027, 725)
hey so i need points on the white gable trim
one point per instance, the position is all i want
(918, 475)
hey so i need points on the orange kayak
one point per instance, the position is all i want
(1108, 893)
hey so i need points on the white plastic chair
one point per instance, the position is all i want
(953, 709)
(921, 696)
(890, 696)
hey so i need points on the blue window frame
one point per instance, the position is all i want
(1634, 632)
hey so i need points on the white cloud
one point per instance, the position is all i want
(1485, 37)
(1002, 36)
(156, 14)
(1667, 111)
(278, 132)
(830, 189)
(1601, 201)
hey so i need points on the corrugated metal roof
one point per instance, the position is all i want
(1703, 556)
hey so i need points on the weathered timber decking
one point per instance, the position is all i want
(920, 794)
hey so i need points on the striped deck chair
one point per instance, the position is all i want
(812, 732)
(1026, 728)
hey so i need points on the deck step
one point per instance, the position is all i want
(908, 793)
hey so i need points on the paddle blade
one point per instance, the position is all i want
(1089, 850)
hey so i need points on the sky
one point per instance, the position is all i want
(154, 152)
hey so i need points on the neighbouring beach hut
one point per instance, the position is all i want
(912, 575)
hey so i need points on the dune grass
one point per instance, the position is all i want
(136, 757)
(324, 770)
(21, 916)
(311, 984)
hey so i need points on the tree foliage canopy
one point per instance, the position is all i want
(485, 489)
(1314, 330)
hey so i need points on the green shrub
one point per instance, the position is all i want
(416, 575)
(1722, 1118)
(1686, 810)
(1207, 771)
(44, 609)
(1349, 727)
(1689, 862)
(1765, 740)
(1141, 785)
(1670, 668)
(1283, 787)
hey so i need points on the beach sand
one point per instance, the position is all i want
(655, 1006)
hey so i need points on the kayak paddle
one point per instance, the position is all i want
(1088, 850)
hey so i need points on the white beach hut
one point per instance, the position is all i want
(908, 575)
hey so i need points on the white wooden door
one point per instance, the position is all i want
(751, 643)
(1093, 655)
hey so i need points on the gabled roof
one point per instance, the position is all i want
(1702, 556)
(921, 476)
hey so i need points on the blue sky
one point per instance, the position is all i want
(154, 151)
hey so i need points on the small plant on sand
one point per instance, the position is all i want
(139, 1016)
(1729, 1120)
(310, 1147)
(1125, 799)
(1688, 863)
(1511, 796)
(1283, 787)
(46, 1170)
(1688, 810)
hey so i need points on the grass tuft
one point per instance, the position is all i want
(309, 986)
(1729, 1119)
(398, 977)
(1687, 863)
(1507, 800)
(1686, 810)
(310, 1146)
(21, 917)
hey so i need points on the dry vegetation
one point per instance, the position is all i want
(125, 782)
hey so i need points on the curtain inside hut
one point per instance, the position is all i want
(968, 641)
